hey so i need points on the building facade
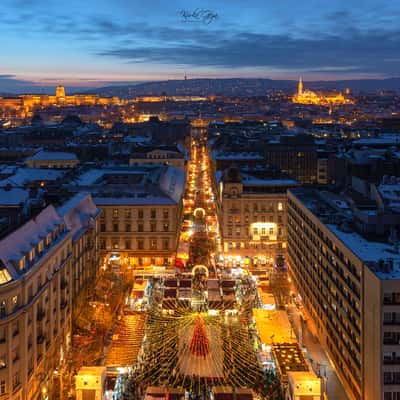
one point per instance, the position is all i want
(350, 288)
(35, 305)
(140, 213)
(253, 217)
(44, 265)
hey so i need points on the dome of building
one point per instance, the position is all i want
(60, 91)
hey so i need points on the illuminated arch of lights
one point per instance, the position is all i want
(200, 269)
(199, 212)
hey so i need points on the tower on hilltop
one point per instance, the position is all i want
(300, 87)
(60, 92)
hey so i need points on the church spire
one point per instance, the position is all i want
(300, 87)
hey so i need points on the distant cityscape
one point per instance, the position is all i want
(161, 243)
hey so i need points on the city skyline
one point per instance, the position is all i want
(123, 42)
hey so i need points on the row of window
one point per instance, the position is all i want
(391, 396)
(256, 231)
(127, 244)
(129, 213)
(391, 378)
(8, 306)
(257, 207)
(237, 219)
(256, 246)
(140, 227)
(391, 298)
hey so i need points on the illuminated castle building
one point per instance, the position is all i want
(27, 102)
(324, 99)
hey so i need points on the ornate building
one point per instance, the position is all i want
(324, 99)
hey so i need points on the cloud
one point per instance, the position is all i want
(10, 84)
(369, 52)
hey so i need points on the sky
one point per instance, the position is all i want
(91, 43)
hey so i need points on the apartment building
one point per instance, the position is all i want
(350, 286)
(35, 305)
(168, 155)
(43, 266)
(140, 213)
(253, 214)
(52, 159)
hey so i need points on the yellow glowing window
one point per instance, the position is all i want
(280, 206)
(4, 276)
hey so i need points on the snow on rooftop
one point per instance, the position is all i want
(251, 180)
(24, 176)
(78, 213)
(133, 200)
(13, 197)
(172, 182)
(53, 155)
(14, 246)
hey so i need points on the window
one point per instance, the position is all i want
(115, 244)
(255, 231)
(15, 328)
(3, 334)
(115, 212)
(15, 302)
(262, 231)
(153, 227)
(15, 355)
(153, 213)
(153, 244)
(3, 309)
(22, 263)
(140, 227)
(3, 363)
(140, 214)
(15, 380)
(237, 231)
(237, 219)
(165, 244)
(271, 231)
(280, 206)
(115, 227)
(102, 244)
(2, 387)
(127, 227)
(140, 244)
(102, 227)
(166, 227)
(128, 213)
(128, 244)
(165, 214)
(271, 218)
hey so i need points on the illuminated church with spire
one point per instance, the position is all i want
(323, 99)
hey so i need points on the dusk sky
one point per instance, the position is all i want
(95, 42)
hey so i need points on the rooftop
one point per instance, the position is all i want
(53, 155)
(383, 258)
